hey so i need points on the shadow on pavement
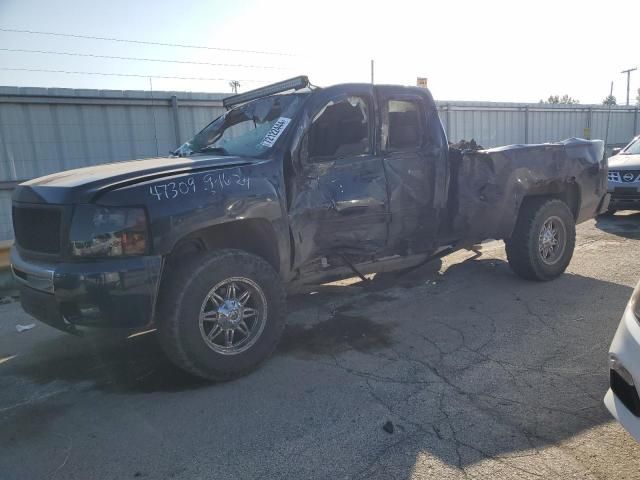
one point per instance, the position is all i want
(470, 364)
(624, 224)
(109, 364)
(518, 365)
(487, 364)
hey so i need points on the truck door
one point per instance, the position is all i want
(338, 200)
(411, 162)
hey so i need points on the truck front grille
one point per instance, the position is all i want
(624, 176)
(37, 228)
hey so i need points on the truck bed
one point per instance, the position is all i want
(487, 186)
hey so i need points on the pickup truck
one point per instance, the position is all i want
(293, 185)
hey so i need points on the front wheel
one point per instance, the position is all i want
(221, 314)
(543, 240)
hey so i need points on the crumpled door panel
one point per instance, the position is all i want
(339, 207)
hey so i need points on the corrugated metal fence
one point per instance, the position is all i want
(492, 124)
(48, 130)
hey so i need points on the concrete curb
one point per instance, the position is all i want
(6, 278)
(5, 245)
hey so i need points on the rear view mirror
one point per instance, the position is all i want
(616, 151)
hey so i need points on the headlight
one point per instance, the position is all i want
(634, 303)
(108, 231)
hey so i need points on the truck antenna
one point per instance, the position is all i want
(153, 113)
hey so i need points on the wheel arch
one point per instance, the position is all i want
(252, 235)
(565, 191)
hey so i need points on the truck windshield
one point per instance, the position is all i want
(249, 130)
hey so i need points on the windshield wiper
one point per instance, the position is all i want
(212, 149)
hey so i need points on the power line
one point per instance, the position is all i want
(129, 75)
(142, 42)
(114, 57)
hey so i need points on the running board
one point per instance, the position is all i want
(382, 265)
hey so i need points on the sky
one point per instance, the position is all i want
(485, 50)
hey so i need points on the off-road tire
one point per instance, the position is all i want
(522, 248)
(181, 295)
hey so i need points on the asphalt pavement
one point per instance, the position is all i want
(454, 370)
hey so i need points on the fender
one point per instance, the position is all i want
(180, 205)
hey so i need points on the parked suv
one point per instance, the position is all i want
(624, 178)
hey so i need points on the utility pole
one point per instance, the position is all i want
(234, 84)
(606, 135)
(372, 72)
(628, 72)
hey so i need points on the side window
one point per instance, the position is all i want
(402, 129)
(339, 129)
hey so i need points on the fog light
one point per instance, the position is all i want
(616, 366)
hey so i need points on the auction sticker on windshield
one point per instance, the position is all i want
(275, 131)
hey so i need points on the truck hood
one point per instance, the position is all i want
(624, 162)
(83, 185)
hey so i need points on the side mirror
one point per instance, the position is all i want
(616, 151)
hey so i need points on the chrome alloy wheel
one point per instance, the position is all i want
(233, 315)
(552, 240)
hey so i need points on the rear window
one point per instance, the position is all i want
(404, 128)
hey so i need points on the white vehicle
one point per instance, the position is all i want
(622, 399)
(624, 177)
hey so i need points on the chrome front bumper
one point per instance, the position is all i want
(36, 275)
(109, 292)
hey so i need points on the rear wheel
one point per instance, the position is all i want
(222, 314)
(543, 240)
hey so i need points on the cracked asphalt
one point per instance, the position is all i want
(481, 374)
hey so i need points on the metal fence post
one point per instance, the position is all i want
(176, 120)
(526, 124)
(587, 129)
(448, 126)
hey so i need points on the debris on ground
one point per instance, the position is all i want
(5, 300)
(388, 427)
(22, 328)
(464, 145)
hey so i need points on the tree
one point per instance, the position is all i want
(610, 100)
(234, 84)
(564, 100)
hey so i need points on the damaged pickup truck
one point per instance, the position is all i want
(293, 184)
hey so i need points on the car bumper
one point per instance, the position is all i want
(102, 293)
(624, 196)
(623, 398)
(624, 203)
